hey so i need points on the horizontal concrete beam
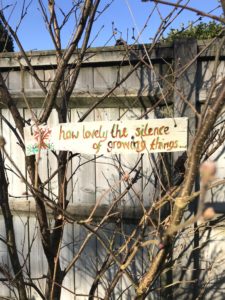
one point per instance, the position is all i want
(83, 101)
(27, 207)
(103, 55)
(93, 56)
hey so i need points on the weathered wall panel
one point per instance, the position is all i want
(101, 178)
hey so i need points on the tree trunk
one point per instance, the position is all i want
(10, 236)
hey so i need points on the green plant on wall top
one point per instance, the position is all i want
(6, 41)
(201, 31)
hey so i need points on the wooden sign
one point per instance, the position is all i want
(140, 136)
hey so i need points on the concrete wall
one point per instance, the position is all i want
(102, 68)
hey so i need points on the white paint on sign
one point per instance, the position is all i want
(129, 136)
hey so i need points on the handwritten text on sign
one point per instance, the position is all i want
(141, 136)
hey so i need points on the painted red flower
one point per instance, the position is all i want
(42, 135)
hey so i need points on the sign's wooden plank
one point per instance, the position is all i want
(133, 136)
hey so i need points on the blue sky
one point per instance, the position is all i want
(126, 14)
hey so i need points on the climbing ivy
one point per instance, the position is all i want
(201, 31)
